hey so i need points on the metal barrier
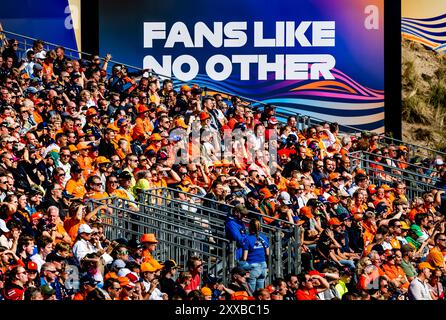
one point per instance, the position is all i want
(187, 228)
(416, 182)
(284, 241)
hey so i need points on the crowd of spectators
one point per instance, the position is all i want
(70, 132)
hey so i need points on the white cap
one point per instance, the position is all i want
(439, 162)
(41, 55)
(3, 226)
(123, 272)
(285, 197)
(84, 228)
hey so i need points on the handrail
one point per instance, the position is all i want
(403, 171)
(218, 203)
(280, 113)
(171, 222)
(370, 154)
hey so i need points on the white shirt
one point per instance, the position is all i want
(419, 290)
(67, 168)
(156, 293)
(81, 248)
(5, 242)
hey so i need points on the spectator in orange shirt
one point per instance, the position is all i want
(307, 289)
(436, 254)
(394, 272)
(95, 188)
(76, 185)
(143, 126)
(149, 242)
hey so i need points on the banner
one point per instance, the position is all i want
(55, 21)
(425, 22)
(320, 58)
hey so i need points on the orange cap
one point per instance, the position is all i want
(424, 265)
(156, 137)
(101, 160)
(113, 127)
(180, 123)
(266, 193)
(72, 148)
(125, 282)
(83, 145)
(306, 211)
(148, 237)
(293, 185)
(204, 115)
(147, 267)
(334, 222)
(142, 109)
(372, 188)
(91, 112)
(334, 175)
(185, 88)
(332, 199)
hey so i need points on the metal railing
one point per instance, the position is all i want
(190, 228)
(416, 180)
(284, 239)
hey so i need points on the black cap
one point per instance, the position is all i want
(196, 90)
(253, 194)
(378, 248)
(88, 279)
(171, 264)
(42, 125)
(31, 148)
(211, 279)
(125, 175)
(66, 195)
(134, 243)
(33, 192)
(239, 271)
(273, 188)
(75, 168)
(314, 203)
(150, 153)
(75, 75)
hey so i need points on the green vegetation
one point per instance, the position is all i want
(423, 96)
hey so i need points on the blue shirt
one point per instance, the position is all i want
(236, 231)
(256, 248)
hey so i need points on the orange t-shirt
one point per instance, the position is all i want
(394, 272)
(37, 117)
(435, 257)
(283, 184)
(60, 228)
(72, 225)
(414, 212)
(76, 188)
(142, 129)
(78, 296)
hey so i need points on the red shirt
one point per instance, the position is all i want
(14, 292)
(194, 284)
(306, 295)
